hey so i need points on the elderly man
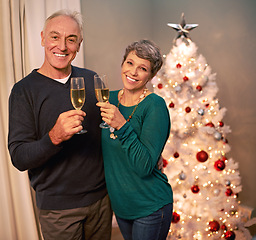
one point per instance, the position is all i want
(65, 168)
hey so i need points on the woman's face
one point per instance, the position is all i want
(135, 72)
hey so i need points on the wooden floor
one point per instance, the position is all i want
(116, 235)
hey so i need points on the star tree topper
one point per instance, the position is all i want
(182, 28)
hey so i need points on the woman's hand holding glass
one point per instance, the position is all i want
(101, 92)
(111, 114)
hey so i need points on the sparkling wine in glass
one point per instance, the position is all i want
(101, 92)
(77, 95)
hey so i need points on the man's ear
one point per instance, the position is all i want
(79, 45)
(42, 39)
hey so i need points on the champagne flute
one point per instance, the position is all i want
(77, 95)
(101, 92)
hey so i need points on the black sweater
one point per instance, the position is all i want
(67, 176)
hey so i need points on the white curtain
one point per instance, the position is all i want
(21, 22)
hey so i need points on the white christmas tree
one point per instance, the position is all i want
(205, 180)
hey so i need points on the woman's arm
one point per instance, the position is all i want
(144, 151)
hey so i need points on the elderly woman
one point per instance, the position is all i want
(140, 194)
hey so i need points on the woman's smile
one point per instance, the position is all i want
(131, 79)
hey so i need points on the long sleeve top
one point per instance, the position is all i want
(67, 176)
(135, 185)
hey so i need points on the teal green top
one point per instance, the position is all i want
(135, 185)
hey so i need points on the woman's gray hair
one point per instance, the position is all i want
(66, 12)
(147, 50)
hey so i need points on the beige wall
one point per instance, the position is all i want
(225, 37)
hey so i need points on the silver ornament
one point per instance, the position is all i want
(227, 182)
(200, 111)
(216, 192)
(182, 176)
(177, 88)
(217, 135)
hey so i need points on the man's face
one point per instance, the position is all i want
(61, 40)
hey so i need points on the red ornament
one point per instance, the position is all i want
(214, 226)
(195, 189)
(171, 105)
(160, 85)
(230, 235)
(209, 124)
(175, 217)
(199, 88)
(185, 78)
(176, 154)
(187, 109)
(178, 65)
(165, 163)
(202, 156)
(207, 105)
(223, 227)
(221, 124)
(229, 192)
(219, 165)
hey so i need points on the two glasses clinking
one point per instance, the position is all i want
(78, 95)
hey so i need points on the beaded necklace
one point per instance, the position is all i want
(142, 96)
